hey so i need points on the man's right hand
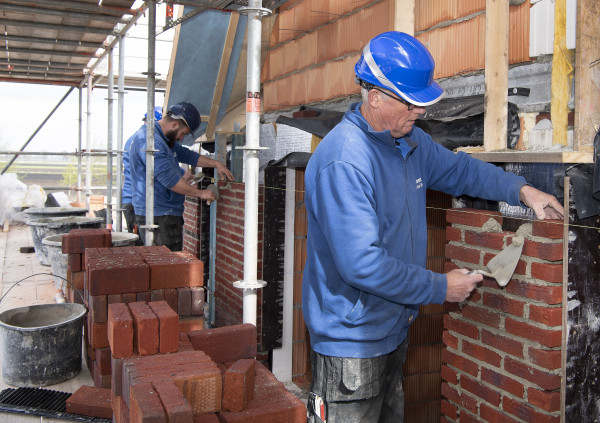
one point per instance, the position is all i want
(207, 194)
(460, 285)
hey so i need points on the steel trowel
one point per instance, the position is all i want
(503, 265)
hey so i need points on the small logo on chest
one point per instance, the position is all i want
(419, 183)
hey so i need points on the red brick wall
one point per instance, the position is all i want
(229, 260)
(502, 354)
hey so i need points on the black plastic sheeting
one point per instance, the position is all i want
(453, 122)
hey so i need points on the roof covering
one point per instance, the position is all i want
(56, 42)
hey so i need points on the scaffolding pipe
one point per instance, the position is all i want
(149, 226)
(79, 146)
(109, 142)
(120, 110)
(88, 144)
(250, 284)
(11, 161)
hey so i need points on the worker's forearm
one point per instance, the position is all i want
(185, 188)
(204, 161)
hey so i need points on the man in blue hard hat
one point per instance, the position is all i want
(171, 185)
(126, 191)
(365, 275)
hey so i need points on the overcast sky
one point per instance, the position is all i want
(23, 107)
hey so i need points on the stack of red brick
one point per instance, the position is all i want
(112, 275)
(204, 376)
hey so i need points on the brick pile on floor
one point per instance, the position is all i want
(162, 376)
(111, 275)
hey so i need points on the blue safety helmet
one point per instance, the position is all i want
(157, 113)
(402, 64)
(187, 113)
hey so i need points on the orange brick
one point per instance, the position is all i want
(90, 401)
(238, 385)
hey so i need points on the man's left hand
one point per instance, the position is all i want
(544, 205)
(224, 173)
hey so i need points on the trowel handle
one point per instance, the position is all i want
(482, 272)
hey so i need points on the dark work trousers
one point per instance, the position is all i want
(129, 216)
(169, 232)
(358, 390)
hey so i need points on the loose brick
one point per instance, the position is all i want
(143, 296)
(157, 295)
(116, 380)
(548, 338)
(552, 229)
(229, 343)
(546, 400)
(107, 277)
(503, 382)
(129, 297)
(174, 271)
(168, 326)
(90, 401)
(184, 342)
(177, 408)
(198, 300)
(544, 380)
(145, 329)
(203, 391)
(191, 323)
(103, 360)
(171, 298)
(145, 405)
(75, 262)
(120, 330)
(238, 385)
(76, 279)
(184, 301)
(272, 403)
(98, 308)
(98, 335)
(114, 298)
(77, 240)
(100, 380)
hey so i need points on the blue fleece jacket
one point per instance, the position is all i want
(166, 172)
(365, 273)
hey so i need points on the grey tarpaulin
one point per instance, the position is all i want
(453, 122)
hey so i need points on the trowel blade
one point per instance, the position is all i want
(503, 265)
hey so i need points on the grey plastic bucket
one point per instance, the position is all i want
(41, 344)
(59, 261)
(42, 227)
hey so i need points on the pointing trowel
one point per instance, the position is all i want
(503, 265)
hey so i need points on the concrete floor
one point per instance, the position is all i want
(38, 289)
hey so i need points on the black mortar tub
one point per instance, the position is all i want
(41, 344)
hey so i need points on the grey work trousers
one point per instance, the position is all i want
(358, 390)
(169, 232)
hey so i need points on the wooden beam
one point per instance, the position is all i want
(403, 14)
(587, 75)
(496, 75)
(223, 67)
(562, 67)
(172, 61)
(511, 156)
